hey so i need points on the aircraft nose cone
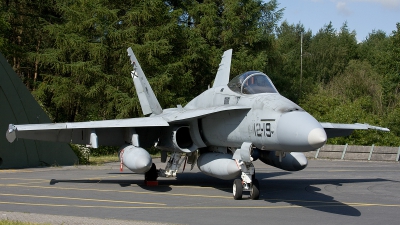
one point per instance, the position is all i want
(299, 132)
(317, 137)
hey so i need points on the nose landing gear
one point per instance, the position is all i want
(247, 182)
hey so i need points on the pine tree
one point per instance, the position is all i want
(287, 69)
(86, 70)
(211, 27)
(23, 21)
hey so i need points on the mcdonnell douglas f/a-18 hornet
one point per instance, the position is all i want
(223, 130)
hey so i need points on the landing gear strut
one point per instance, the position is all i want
(174, 163)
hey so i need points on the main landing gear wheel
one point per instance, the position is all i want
(152, 174)
(237, 189)
(255, 190)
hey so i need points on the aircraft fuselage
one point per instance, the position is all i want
(272, 122)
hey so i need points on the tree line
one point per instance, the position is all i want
(71, 55)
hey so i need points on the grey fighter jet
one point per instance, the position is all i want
(223, 130)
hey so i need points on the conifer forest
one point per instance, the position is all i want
(71, 55)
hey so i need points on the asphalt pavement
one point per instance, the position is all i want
(326, 192)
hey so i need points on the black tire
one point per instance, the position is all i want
(237, 189)
(152, 174)
(255, 190)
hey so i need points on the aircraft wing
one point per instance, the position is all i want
(106, 132)
(340, 129)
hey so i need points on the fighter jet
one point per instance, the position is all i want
(223, 130)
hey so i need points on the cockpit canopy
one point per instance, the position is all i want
(252, 82)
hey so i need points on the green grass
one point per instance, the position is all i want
(11, 222)
(100, 160)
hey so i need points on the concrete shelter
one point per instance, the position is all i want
(18, 106)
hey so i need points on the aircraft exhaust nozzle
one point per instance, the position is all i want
(291, 161)
(218, 165)
(136, 159)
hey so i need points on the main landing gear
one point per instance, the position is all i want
(152, 174)
(173, 165)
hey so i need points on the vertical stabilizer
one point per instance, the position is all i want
(222, 77)
(147, 98)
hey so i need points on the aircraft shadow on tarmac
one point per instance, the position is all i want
(183, 179)
(298, 192)
(304, 193)
(122, 183)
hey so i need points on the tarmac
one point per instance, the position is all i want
(56, 219)
(326, 192)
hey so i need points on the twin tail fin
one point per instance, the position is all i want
(147, 98)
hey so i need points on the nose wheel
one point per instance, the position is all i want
(237, 189)
(239, 186)
(248, 181)
(254, 190)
